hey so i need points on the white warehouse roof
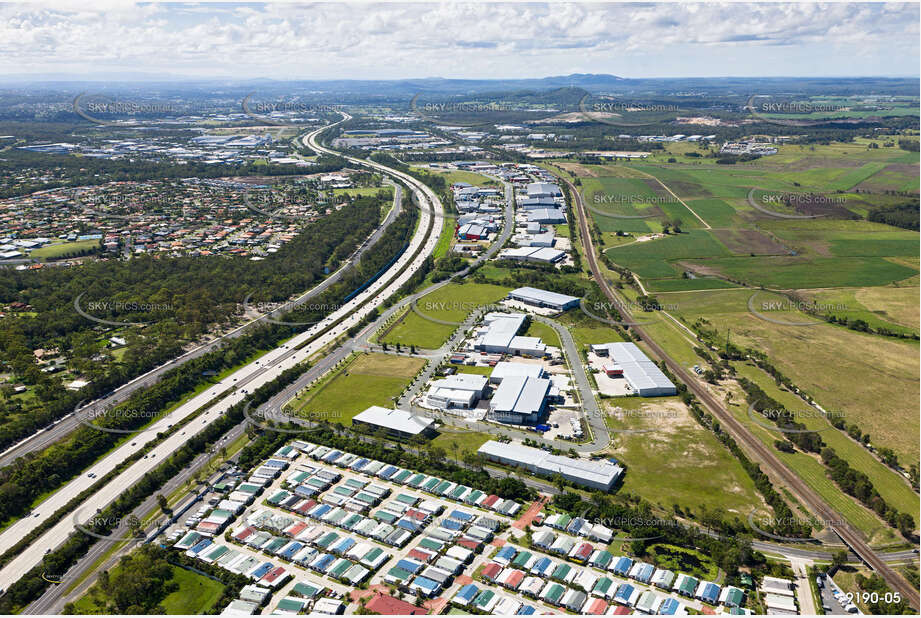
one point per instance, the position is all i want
(598, 474)
(396, 420)
(506, 369)
(520, 395)
(642, 374)
(535, 296)
(536, 189)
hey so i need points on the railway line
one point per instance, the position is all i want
(212, 403)
(753, 445)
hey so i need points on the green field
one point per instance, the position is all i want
(195, 595)
(454, 176)
(363, 191)
(586, 330)
(467, 441)
(653, 259)
(823, 360)
(677, 461)
(452, 303)
(795, 272)
(50, 252)
(367, 380)
(547, 334)
(870, 269)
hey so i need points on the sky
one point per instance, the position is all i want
(458, 40)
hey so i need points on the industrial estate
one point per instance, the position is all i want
(578, 344)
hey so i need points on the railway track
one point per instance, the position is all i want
(740, 433)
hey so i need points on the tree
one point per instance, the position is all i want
(838, 559)
(164, 505)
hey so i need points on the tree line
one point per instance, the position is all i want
(182, 299)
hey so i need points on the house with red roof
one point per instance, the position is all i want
(244, 534)
(490, 501)
(595, 607)
(491, 571)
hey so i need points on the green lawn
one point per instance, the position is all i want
(196, 594)
(57, 250)
(452, 303)
(547, 334)
(467, 441)
(368, 380)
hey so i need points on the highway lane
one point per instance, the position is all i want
(63, 427)
(254, 375)
(55, 597)
(273, 408)
(775, 467)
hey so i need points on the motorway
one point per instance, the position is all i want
(259, 372)
(753, 445)
(55, 597)
(71, 422)
(274, 407)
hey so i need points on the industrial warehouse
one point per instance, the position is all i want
(627, 361)
(600, 474)
(398, 423)
(543, 298)
(500, 336)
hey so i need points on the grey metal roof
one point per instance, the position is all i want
(544, 296)
(505, 369)
(397, 420)
(521, 395)
(642, 373)
(599, 471)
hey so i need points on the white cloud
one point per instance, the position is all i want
(461, 39)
